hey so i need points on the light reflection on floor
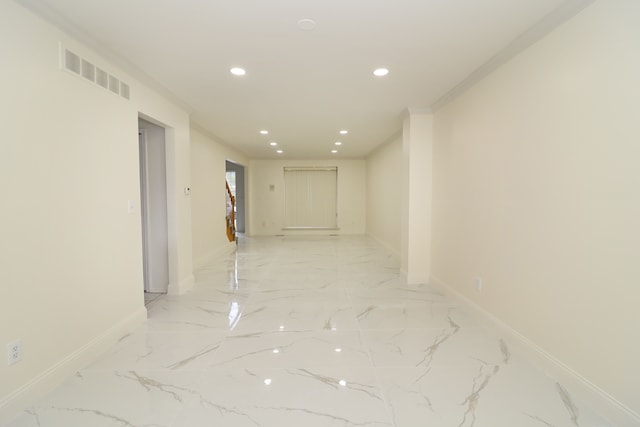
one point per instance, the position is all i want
(316, 332)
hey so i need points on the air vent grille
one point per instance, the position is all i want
(124, 90)
(82, 67)
(72, 62)
(102, 78)
(88, 70)
(114, 84)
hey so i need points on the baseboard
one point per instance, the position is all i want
(212, 255)
(183, 287)
(384, 244)
(412, 279)
(404, 275)
(597, 399)
(47, 381)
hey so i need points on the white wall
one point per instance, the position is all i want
(537, 191)
(266, 211)
(70, 253)
(384, 194)
(208, 211)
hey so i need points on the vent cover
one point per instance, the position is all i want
(124, 90)
(71, 62)
(102, 78)
(82, 67)
(88, 70)
(114, 84)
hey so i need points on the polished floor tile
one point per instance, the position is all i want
(314, 397)
(311, 331)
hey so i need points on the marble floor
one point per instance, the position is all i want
(312, 332)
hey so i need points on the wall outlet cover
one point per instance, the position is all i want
(14, 352)
(478, 284)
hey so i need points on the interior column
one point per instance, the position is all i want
(417, 152)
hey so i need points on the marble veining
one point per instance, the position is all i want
(100, 414)
(150, 383)
(506, 354)
(439, 340)
(312, 331)
(181, 363)
(568, 403)
(336, 383)
(480, 382)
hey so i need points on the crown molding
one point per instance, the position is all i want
(543, 27)
(48, 14)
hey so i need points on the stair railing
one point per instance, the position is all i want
(231, 214)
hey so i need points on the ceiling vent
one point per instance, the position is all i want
(82, 67)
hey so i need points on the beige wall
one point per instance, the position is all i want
(70, 252)
(267, 208)
(537, 191)
(208, 203)
(385, 171)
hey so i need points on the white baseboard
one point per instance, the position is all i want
(47, 381)
(404, 275)
(183, 287)
(212, 255)
(599, 400)
(384, 244)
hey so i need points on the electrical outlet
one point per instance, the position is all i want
(14, 352)
(478, 284)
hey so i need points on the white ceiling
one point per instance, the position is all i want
(304, 86)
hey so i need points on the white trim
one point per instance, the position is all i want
(71, 29)
(183, 287)
(417, 110)
(310, 168)
(12, 405)
(226, 249)
(546, 25)
(309, 228)
(404, 275)
(385, 245)
(597, 399)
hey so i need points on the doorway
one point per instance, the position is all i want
(236, 180)
(153, 207)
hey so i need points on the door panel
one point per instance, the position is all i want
(154, 207)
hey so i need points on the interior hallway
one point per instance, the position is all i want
(316, 332)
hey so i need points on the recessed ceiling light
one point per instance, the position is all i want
(237, 71)
(279, 151)
(306, 24)
(334, 151)
(273, 143)
(338, 143)
(344, 132)
(264, 132)
(379, 72)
